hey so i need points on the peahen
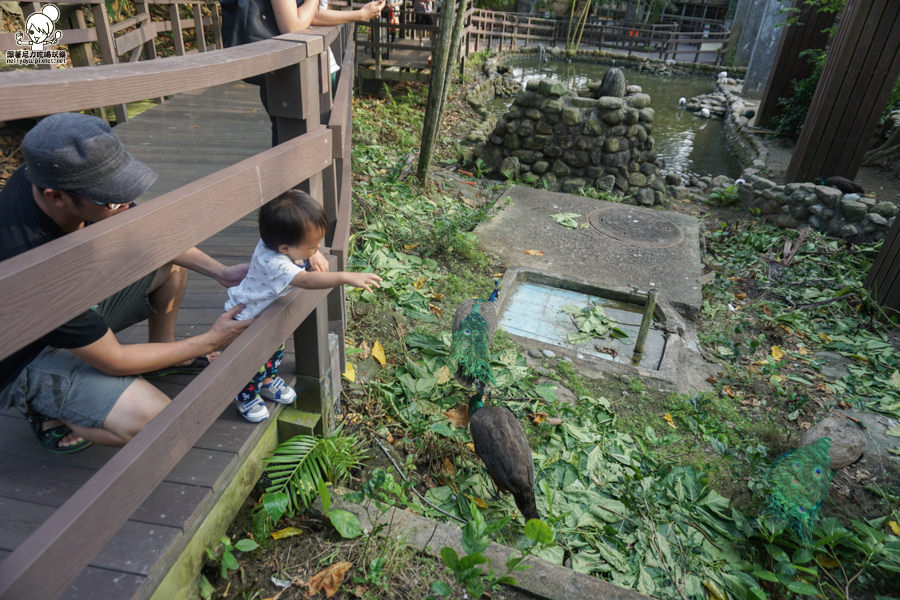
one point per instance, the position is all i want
(499, 438)
(501, 444)
(799, 482)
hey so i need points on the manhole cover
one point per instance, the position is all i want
(636, 227)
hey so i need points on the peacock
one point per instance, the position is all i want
(799, 482)
(499, 438)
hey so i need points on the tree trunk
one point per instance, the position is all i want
(436, 89)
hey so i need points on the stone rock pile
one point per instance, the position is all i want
(853, 217)
(599, 139)
(715, 103)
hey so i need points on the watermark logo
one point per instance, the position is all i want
(40, 31)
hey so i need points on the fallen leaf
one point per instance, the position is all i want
(803, 350)
(458, 415)
(777, 352)
(824, 337)
(534, 253)
(437, 296)
(360, 591)
(827, 561)
(410, 246)
(470, 446)
(538, 418)
(349, 371)
(805, 425)
(286, 533)
(895, 379)
(553, 421)
(418, 283)
(448, 467)
(365, 350)
(378, 353)
(740, 295)
(844, 404)
(766, 310)
(443, 375)
(479, 502)
(390, 438)
(670, 421)
(712, 379)
(895, 527)
(730, 392)
(434, 309)
(328, 579)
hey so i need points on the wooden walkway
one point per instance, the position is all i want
(229, 124)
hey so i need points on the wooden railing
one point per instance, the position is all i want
(131, 39)
(497, 30)
(46, 286)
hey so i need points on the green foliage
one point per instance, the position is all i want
(592, 323)
(298, 469)
(725, 196)
(227, 561)
(476, 537)
(794, 108)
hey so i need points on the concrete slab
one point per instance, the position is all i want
(616, 245)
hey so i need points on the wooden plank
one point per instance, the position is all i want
(131, 550)
(133, 39)
(32, 93)
(187, 215)
(177, 33)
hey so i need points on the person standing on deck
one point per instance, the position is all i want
(77, 384)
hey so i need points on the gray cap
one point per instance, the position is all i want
(80, 154)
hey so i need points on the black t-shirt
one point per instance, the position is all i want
(23, 226)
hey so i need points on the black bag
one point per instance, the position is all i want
(247, 21)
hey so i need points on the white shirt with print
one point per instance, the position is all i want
(269, 277)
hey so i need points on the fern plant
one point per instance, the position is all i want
(297, 469)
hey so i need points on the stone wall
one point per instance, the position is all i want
(853, 217)
(600, 138)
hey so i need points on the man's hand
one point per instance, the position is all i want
(363, 280)
(318, 262)
(371, 10)
(233, 275)
(226, 329)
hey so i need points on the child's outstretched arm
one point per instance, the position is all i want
(319, 280)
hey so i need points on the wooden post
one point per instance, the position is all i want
(217, 24)
(435, 89)
(107, 49)
(884, 278)
(860, 71)
(198, 28)
(177, 37)
(788, 64)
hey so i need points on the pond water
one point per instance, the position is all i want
(688, 143)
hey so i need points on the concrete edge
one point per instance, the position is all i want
(543, 579)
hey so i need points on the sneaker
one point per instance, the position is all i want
(254, 410)
(278, 391)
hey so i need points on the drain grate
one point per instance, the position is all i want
(639, 228)
(534, 311)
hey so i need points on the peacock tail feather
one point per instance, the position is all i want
(799, 481)
(471, 347)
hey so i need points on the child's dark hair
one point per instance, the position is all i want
(289, 218)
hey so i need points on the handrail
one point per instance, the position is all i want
(43, 565)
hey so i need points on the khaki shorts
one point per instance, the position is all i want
(61, 386)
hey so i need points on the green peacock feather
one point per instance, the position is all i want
(799, 482)
(471, 347)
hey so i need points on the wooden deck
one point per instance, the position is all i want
(229, 124)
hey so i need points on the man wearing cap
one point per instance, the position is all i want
(78, 384)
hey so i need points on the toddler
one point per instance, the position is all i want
(291, 229)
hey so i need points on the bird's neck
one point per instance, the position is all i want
(476, 401)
